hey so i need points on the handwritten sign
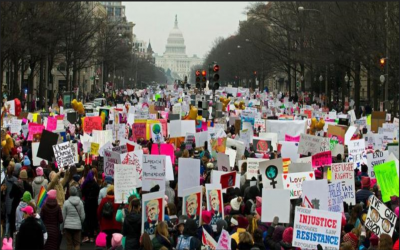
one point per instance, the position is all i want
(63, 154)
(15, 127)
(110, 159)
(153, 171)
(34, 129)
(91, 123)
(134, 158)
(124, 182)
(324, 231)
(380, 219)
(224, 242)
(51, 124)
(357, 152)
(321, 159)
(293, 182)
(376, 158)
(292, 138)
(139, 130)
(385, 174)
(335, 198)
(94, 148)
(252, 168)
(312, 144)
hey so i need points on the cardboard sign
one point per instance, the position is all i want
(124, 182)
(152, 212)
(335, 198)
(357, 153)
(91, 123)
(321, 159)
(271, 172)
(309, 232)
(315, 194)
(377, 119)
(376, 158)
(192, 199)
(336, 133)
(312, 144)
(385, 174)
(189, 171)
(153, 171)
(223, 162)
(293, 182)
(63, 154)
(275, 202)
(380, 219)
(47, 141)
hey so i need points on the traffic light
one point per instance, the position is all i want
(204, 79)
(198, 79)
(382, 62)
(214, 77)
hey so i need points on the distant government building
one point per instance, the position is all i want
(174, 57)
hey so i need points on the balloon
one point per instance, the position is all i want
(192, 113)
(18, 108)
(316, 125)
(74, 104)
(240, 105)
(225, 101)
(79, 108)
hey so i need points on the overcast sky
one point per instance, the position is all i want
(200, 22)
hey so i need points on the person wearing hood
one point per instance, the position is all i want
(9, 212)
(58, 185)
(103, 192)
(287, 237)
(90, 192)
(206, 217)
(250, 205)
(26, 198)
(52, 218)
(73, 217)
(364, 193)
(132, 225)
(169, 192)
(189, 238)
(38, 182)
(221, 224)
(258, 239)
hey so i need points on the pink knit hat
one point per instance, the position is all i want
(258, 201)
(396, 211)
(39, 171)
(52, 194)
(101, 240)
(116, 240)
(288, 235)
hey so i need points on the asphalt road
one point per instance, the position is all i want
(84, 246)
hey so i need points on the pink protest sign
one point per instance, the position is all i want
(165, 149)
(51, 124)
(321, 159)
(224, 241)
(139, 130)
(164, 126)
(34, 128)
(292, 138)
(60, 117)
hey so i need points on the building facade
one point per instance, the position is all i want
(174, 57)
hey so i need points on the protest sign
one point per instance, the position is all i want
(240, 147)
(271, 172)
(139, 131)
(156, 133)
(180, 128)
(252, 168)
(376, 158)
(224, 241)
(293, 182)
(223, 162)
(124, 182)
(207, 240)
(51, 124)
(165, 149)
(201, 138)
(63, 154)
(289, 150)
(295, 167)
(305, 160)
(152, 212)
(102, 137)
(34, 129)
(312, 144)
(15, 127)
(45, 150)
(192, 199)
(74, 148)
(228, 180)
(380, 219)
(312, 227)
(110, 159)
(106, 146)
(275, 202)
(321, 159)
(153, 171)
(357, 153)
(134, 158)
(94, 148)
(188, 177)
(349, 134)
(261, 145)
(335, 198)
(282, 128)
(292, 138)
(91, 123)
(232, 156)
(169, 172)
(36, 160)
(385, 174)
(218, 145)
(215, 202)
(315, 194)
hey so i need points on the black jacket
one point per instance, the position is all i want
(269, 242)
(131, 229)
(30, 235)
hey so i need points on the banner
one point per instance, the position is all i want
(321, 159)
(275, 202)
(344, 173)
(271, 172)
(152, 212)
(380, 219)
(153, 171)
(313, 227)
(388, 182)
(192, 203)
(376, 158)
(293, 182)
(63, 154)
(124, 182)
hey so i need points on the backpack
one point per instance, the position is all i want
(183, 242)
(253, 206)
(108, 210)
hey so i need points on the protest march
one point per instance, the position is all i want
(172, 168)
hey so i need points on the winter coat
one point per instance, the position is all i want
(73, 213)
(19, 215)
(208, 228)
(102, 193)
(52, 218)
(37, 183)
(244, 246)
(58, 185)
(106, 224)
(158, 242)
(30, 235)
(273, 245)
(362, 195)
(9, 184)
(90, 192)
(131, 229)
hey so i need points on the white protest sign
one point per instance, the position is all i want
(293, 182)
(15, 127)
(271, 172)
(200, 138)
(63, 154)
(275, 202)
(335, 198)
(357, 152)
(169, 172)
(74, 148)
(289, 150)
(208, 240)
(189, 172)
(304, 160)
(153, 171)
(124, 182)
(232, 156)
(223, 162)
(344, 172)
(224, 241)
(110, 158)
(240, 147)
(273, 137)
(252, 168)
(36, 160)
(315, 194)
(312, 144)
(292, 128)
(295, 167)
(102, 137)
(349, 134)
(107, 146)
(376, 158)
(380, 219)
(180, 128)
(309, 232)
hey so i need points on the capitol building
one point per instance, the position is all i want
(174, 57)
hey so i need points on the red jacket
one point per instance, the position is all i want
(104, 223)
